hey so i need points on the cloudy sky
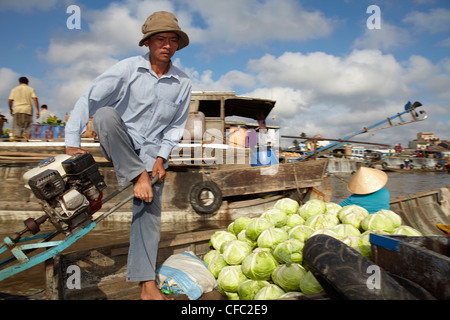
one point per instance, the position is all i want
(328, 71)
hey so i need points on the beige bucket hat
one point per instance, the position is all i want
(367, 180)
(163, 21)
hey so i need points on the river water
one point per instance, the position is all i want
(32, 280)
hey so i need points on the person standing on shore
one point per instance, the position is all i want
(22, 97)
(140, 107)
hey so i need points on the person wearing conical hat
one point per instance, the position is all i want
(367, 188)
(139, 108)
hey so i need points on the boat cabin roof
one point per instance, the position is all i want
(226, 104)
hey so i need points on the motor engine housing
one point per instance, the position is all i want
(69, 189)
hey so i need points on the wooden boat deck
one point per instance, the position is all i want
(424, 210)
(103, 270)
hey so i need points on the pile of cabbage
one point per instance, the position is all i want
(261, 258)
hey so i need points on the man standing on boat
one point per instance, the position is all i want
(22, 97)
(140, 107)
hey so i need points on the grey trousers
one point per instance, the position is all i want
(117, 146)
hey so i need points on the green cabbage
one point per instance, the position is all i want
(231, 295)
(249, 288)
(243, 237)
(288, 205)
(235, 251)
(219, 237)
(359, 245)
(332, 208)
(240, 224)
(322, 221)
(289, 251)
(352, 214)
(311, 208)
(216, 263)
(344, 230)
(366, 234)
(378, 221)
(209, 256)
(328, 232)
(294, 220)
(259, 265)
(270, 292)
(300, 232)
(231, 228)
(255, 227)
(271, 237)
(291, 294)
(396, 219)
(351, 208)
(277, 238)
(287, 276)
(230, 278)
(309, 284)
(407, 231)
(275, 216)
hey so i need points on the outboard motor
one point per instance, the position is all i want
(69, 189)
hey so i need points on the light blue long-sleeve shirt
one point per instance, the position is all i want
(154, 109)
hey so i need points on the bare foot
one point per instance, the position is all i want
(151, 292)
(143, 187)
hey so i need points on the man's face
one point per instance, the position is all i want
(162, 46)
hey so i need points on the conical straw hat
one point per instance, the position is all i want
(367, 180)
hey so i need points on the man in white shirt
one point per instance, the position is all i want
(140, 107)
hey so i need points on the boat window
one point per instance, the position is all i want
(210, 108)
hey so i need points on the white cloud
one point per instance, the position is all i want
(428, 77)
(9, 81)
(434, 21)
(316, 92)
(114, 32)
(227, 82)
(289, 101)
(334, 96)
(230, 25)
(361, 73)
(387, 38)
(445, 43)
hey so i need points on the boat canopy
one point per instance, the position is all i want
(226, 104)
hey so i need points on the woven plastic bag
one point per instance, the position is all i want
(185, 273)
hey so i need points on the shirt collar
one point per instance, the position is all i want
(144, 62)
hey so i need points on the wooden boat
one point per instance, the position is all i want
(104, 269)
(415, 164)
(211, 175)
(421, 261)
(424, 210)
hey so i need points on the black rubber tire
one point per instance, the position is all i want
(197, 202)
(343, 272)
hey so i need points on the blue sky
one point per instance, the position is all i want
(329, 73)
